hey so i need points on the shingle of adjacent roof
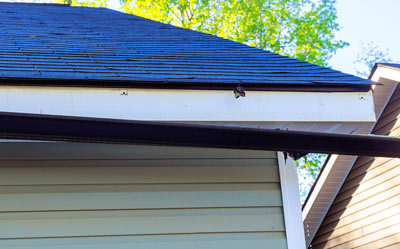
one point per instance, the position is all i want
(392, 65)
(61, 42)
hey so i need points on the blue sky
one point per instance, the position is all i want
(361, 21)
(365, 21)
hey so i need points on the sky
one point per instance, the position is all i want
(361, 21)
(366, 21)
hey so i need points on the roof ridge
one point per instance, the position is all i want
(38, 3)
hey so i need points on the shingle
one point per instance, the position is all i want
(97, 44)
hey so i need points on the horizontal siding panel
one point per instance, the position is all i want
(59, 150)
(139, 222)
(345, 220)
(392, 107)
(373, 198)
(388, 128)
(393, 102)
(361, 161)
(388, 117)
(383, 166)
(86, 197)
(196, 241)
(352, 234)
(135, 162)
(330, 231)
(109, 172)
(395, 132)
(391, 242)
(138, 197)
(367, 240)
(354, 196)
(382, 243)
(374, 178)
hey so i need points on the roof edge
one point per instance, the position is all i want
(186, 85)
(67, 4)
(384, 65)
(378, 114)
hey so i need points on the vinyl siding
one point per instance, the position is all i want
(116, 196)
(321, 197)
(366, 211)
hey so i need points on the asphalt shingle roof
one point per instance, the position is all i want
(97, 44)
(393, 65)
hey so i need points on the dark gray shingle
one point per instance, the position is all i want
(76, 43)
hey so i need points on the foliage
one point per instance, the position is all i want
(308, 168)
(369, 55)
(302, 29)
(312, 163)
(86, 3)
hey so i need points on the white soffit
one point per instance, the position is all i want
(189, 105)
(327, 185)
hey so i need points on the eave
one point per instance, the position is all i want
(289, 86)
(335, 170)
(182, 105)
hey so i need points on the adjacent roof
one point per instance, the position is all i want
(336, 169)
(360, 215)
(53, 42)
(391, 66)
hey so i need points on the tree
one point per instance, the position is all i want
(86, 3)
(308, 168)
(369, 55)
(301, 29)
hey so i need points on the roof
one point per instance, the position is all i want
(98, 45)
(368, 192)
(392, 66)
(336, 168)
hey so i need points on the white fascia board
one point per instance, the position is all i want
(387, 73)
(291, 202)
(189, 105)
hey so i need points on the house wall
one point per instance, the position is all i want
(64, 195)
(336, 169)
(366, 211)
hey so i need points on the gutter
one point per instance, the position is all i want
(95, 130)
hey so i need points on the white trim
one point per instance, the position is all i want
(387, 73)
(291, 202)
(318, 185)
(189, 105)
(382, 74)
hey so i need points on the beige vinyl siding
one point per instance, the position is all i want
(54, 195)
(321, 197)
(366, 211)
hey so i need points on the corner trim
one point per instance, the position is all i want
(291, 202)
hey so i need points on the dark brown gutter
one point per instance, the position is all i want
(76, 129)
